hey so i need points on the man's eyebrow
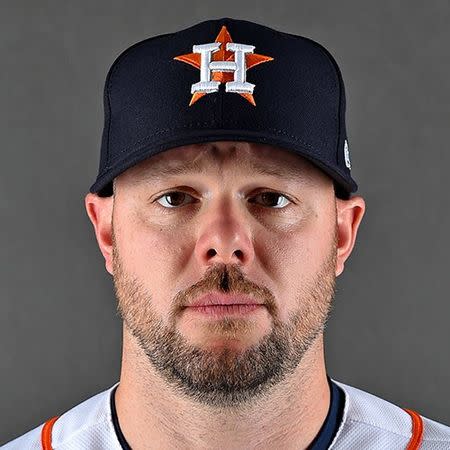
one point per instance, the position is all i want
(160, 171)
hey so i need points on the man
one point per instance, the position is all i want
(224, 210)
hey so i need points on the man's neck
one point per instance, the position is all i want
(152, 416)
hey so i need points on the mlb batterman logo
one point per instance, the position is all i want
(223, 61)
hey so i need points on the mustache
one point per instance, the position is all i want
(224, 284)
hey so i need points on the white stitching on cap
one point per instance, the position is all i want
(347, 155)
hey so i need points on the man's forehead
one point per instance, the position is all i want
(243, 156)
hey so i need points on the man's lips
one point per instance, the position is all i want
(212, 299)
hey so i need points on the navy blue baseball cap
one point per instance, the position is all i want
(225, 80)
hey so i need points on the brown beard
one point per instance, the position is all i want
(225, 378)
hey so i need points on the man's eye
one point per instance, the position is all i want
(269, 199)
(175, 196)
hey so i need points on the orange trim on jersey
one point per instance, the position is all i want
(417, 430)
(46, 434)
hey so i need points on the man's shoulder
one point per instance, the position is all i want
(371, 422)
(86, 425)
(368, 422)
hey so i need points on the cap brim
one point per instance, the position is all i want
(199, 136)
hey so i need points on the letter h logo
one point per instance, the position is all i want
(223, 61)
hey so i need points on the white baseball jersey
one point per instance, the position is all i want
(368, 422)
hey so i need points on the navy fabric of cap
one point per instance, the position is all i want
(225, 80)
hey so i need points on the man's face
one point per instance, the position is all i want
(231, 230)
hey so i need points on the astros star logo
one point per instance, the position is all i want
(223, 61)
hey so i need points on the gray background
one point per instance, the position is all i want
(60, 340)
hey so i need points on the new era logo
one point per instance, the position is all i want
(347, 155)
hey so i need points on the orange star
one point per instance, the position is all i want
(251, 60)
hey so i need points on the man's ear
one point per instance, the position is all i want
(349, 215)
(99, 210)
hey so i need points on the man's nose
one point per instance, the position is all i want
(226, 238)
